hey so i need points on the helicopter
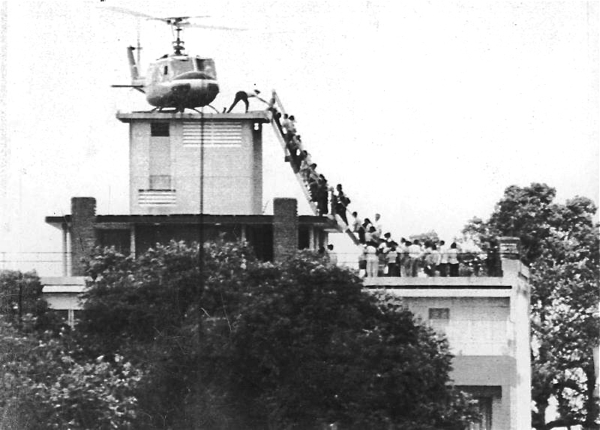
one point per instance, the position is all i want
(176, 80)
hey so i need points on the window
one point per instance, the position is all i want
(181, 66)
(159, 172)
(160, 182)
(206, 67)
(439, 319)
(484, 404)
(119, 238)
(159, 129)
(439, 314)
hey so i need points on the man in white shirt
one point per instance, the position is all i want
(443, 266)
(244, 96)
(403, 257)
(414, 254)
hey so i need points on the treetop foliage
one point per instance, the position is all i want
(234, 343)
(560, 242)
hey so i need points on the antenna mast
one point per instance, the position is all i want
(178, 43)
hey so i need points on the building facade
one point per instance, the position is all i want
(193, 178)
(191, 163)
(197, 177)
(486, 322)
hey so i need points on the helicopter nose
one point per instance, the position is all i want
(213, 89)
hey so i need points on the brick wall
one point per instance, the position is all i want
(83, 236)
(285, 228)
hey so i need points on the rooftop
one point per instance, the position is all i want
(256, 116)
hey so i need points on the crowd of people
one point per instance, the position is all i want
(381, 255)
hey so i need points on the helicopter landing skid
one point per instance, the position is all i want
(177, 110)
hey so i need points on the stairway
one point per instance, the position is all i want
(277, 107)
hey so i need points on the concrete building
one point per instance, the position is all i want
(169, 154)
(199, 177)
(193, 178)
(486, 322)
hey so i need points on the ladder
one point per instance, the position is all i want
(275, 106)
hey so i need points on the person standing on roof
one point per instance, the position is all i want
(244, 96)
(372, 260)
(414, 255)
(443, 266)
(453, 262)
(392, 262)
(403, 257)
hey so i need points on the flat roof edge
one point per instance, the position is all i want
(260, 116)
(446, 292)
(58, 221)
(461, 282)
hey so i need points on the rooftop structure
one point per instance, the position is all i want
(486, 322)
(197, 177)
(178, 161)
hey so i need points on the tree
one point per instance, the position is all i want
(45, 387)
(228, 342)
(560, 242)
(21, 294)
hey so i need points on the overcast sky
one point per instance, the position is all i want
(424, 110)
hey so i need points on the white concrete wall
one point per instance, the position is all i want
(477, 326)
(232, 173)
(63, 301)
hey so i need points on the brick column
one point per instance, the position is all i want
(285, 228)
(83, 236)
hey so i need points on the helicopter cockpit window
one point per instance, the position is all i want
(182, 66)
(206, 66)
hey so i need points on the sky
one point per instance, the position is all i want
(425, 111)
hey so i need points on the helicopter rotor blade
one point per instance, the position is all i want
(173, 20)
(129, 12)
(215, 27)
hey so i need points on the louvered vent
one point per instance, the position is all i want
(223, 134)
(156, 198)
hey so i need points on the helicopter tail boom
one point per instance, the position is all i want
(136, 79)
